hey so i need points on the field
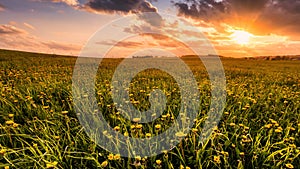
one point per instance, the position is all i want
(39, 128)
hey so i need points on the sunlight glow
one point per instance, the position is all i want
(241, 37)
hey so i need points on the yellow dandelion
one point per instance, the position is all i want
(110, 157)
(104, 164)
(9, 122)
(15, 125)
(158, 126)
(138, 158)
(126, 134)
(158, 162)
(10, 115)
(139, 126)
(117, 157)
(268, 126)
(117, 128)
(289, 165)
(6, 167)
(232, 124)
(51, 164)
(2, 151)
(136, 120)
(217, 159)
(148, 135)
(64, 112)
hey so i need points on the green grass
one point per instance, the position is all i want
(260, 126)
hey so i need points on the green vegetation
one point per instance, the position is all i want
(260, 126)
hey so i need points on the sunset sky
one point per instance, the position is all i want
(235, 28)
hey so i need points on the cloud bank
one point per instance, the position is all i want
(119, 6)
(257, 16)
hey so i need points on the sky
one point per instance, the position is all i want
(119, 28)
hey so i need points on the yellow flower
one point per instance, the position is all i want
(9, 122)
(6, 167)
(232, 124)
(104, 164)
(187, 167)
(138, 158)
(110, 157)
(15, 125)
(2, 151)
(64, 112)
(158, 126)
(117, 156)
(126, 134)
(10, 115)
(139, 126)
(148, 135)
(289, 165)
(117, 128)
(136, 119)
(278, 130)
(242, 153)
(217, 159)
(51, 164)
(268, 126)
(158, 162)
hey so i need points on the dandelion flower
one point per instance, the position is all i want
(117, 157)
(2, 151)
(117, 128)
(217, 159)
(64, 112)
(9, 122)
(10, 115)
(158, 162)
(158, 126)
(104, 164)
(51, 164)
(289, 165)
(232, 124)
(138, 158)
(110, 157)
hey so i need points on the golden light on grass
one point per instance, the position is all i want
(241, 37)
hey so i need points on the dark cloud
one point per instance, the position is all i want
(73, 3)
(2, 8)
(119, 6)
(258, 16)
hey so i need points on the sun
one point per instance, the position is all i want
(241, 37)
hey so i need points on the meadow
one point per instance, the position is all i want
(39, 128)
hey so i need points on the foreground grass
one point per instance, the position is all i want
(39, 128)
